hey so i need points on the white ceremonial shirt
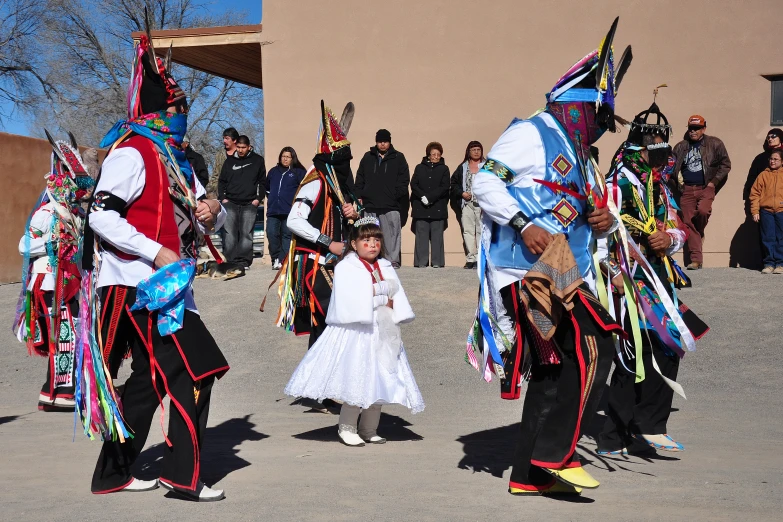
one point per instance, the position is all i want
(297, 219)
(521, 149)
(42, 222)
(123, 175)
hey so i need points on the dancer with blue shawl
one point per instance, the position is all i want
(148, 217)
(539, 317)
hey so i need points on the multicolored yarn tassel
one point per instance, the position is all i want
(98, 407)
(285, 290)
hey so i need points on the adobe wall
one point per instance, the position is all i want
(24, 162)
(23, 165)
(460, 70)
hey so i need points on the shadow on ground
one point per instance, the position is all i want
(492, 451)
(10, 418)
(391, 427)
(219, 456)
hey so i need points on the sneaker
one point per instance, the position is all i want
(768, 270)
(277, 265)
(203, 493)
(778, 270)
(694, 266)
(134, 486)
(348, 435)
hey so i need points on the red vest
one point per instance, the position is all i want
(152, 214)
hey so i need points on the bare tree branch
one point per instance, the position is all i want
(87, 67)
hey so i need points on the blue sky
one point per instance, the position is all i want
(19, 125)
(252, 7)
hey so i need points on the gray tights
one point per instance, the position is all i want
(368, 424)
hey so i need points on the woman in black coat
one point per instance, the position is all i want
(429, 207)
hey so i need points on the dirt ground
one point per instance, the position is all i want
(277, 461)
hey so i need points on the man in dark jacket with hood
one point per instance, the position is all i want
(701, 169)
(241, 189)
(382, 187)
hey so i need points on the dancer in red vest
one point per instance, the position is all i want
(148, 217)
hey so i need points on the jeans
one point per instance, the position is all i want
(238, 245)
(772, 237)
(696, 205)
(278, 237)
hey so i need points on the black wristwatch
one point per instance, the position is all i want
(324, 240)
(518, 222)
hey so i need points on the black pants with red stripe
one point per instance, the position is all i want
(639, 408)
(154, 377)
(560, 398)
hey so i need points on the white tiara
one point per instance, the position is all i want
(369, 220)
(654, 146)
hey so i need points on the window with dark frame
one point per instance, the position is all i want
(776, 99)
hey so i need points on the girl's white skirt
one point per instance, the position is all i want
(352, 365)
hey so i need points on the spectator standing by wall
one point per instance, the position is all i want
(197, 162)
(230, 137)
(702, 167)
(772, 141)
(382, 186)
(241, 189)
(429, 207)
(469, 214)
(766, 207)
(282, 182)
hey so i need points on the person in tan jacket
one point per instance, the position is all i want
(766, 206)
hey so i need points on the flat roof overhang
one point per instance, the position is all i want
(232, 52)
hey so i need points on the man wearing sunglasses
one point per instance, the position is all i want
(702, 167)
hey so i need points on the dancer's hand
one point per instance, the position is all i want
(536, 239)
(349, 212)
(165, 257)
(756, 217)
(659, 241)
(617, 283)
(336, 248)
(600, 219)
(205, 214)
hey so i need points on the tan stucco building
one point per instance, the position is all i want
(460, 70)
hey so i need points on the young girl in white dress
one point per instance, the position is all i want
(359, 360)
